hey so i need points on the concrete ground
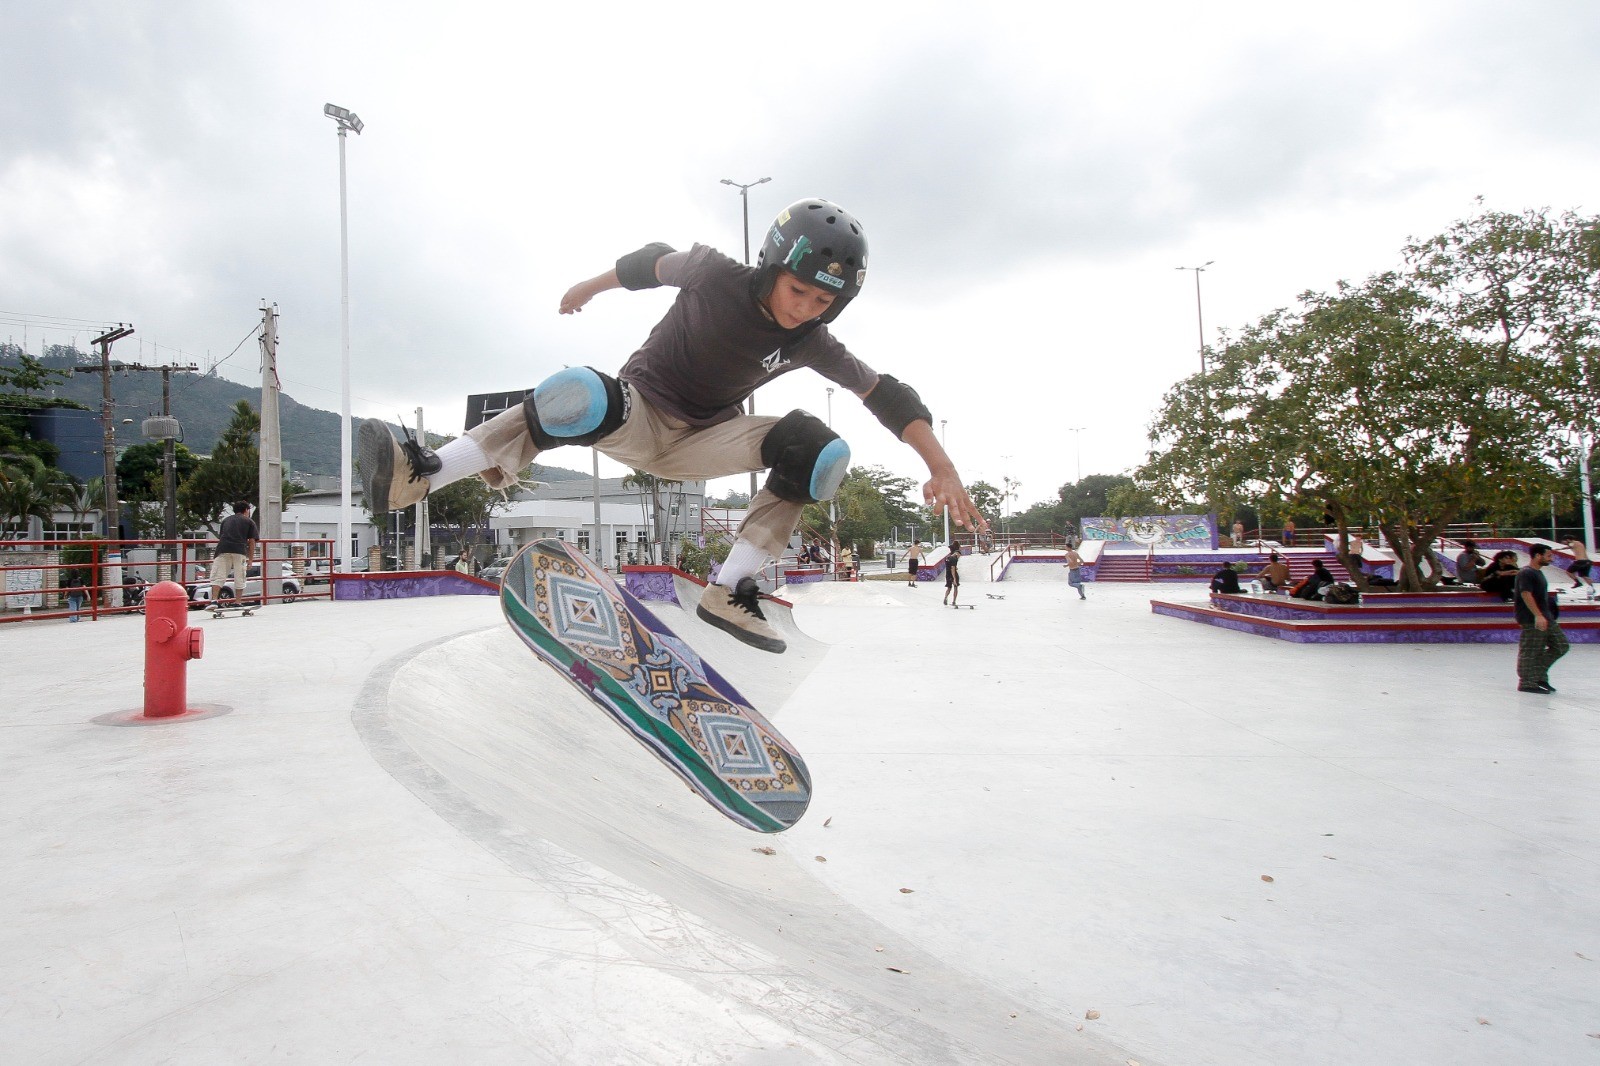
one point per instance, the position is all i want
(1044, 831)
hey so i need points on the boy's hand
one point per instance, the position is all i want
(576, 297)
(944, 492)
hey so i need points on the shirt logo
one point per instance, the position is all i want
(774, 362)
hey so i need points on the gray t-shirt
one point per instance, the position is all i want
(716, 346)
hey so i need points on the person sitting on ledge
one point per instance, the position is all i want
(1226, 579)
(1500, 576)
(1311, 587)
(1275, 575)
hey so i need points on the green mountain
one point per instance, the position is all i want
(203, 405)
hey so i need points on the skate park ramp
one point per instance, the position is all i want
(524, 765)
(1035, 573)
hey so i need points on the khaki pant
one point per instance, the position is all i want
(667, 448)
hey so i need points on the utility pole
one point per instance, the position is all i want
(269, 468)
(166, 430)
(108, 424)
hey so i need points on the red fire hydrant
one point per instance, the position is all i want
(169, 644)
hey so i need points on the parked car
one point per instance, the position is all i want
(496, 568)
(200, 589)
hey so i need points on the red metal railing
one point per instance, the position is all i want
(40, 588)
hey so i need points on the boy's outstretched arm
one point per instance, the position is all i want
(944, 490)
(650, 266)
(584, 291)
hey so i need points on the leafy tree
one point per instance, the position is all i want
(464, 505)
(29, 489)
(21, 371)
(1366, 401)
(1132, 500)
(141, 475)
(862, 517)
(732, 499)
(645, 481)
(986, 498)
(232, 472)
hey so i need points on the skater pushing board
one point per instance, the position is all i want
(602, 640)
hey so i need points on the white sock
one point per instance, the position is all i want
(744, 560)
(461, 457)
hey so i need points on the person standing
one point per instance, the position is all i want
(952, 575)
(1288, 532)
(1075, 571)
(1542, 641)
(913, 561)
(236, 543)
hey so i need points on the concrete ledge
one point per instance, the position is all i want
(1384, 629)
(405, 584)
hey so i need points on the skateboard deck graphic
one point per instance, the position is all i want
(602, 640)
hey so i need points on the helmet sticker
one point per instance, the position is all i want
(802, 247)
(861, 278)
(836, 270)
(783, 217)
(828, 279)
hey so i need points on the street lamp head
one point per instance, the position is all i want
(347, 119)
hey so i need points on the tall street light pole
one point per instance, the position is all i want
(1199, 317)
(348, 122)
(1205, 392)
(943, 422)
(744, 198)
(1077, 439)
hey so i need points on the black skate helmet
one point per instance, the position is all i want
(820, 243)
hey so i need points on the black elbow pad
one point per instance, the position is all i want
(896, 405)
(637, 270)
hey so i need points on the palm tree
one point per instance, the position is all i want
(83, 497)
(642, 480)
(29, 489)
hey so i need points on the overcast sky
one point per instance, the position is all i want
(1028, 176)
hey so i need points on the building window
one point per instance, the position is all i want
(69, 530)
(583, 541)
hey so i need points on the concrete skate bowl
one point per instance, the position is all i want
(525, 766)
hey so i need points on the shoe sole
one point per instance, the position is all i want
(744, 636)
(377, 466)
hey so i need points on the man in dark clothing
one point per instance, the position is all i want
(1319, 579)
(1542, 641)
(236, 543)
(1226, 579)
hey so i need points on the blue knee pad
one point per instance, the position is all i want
(807, 460)
(578, 405)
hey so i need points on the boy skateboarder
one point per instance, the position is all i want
(674, 410)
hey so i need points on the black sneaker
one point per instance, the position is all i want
(1542, 690)
(382, 458)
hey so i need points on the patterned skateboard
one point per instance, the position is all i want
(604, 641)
